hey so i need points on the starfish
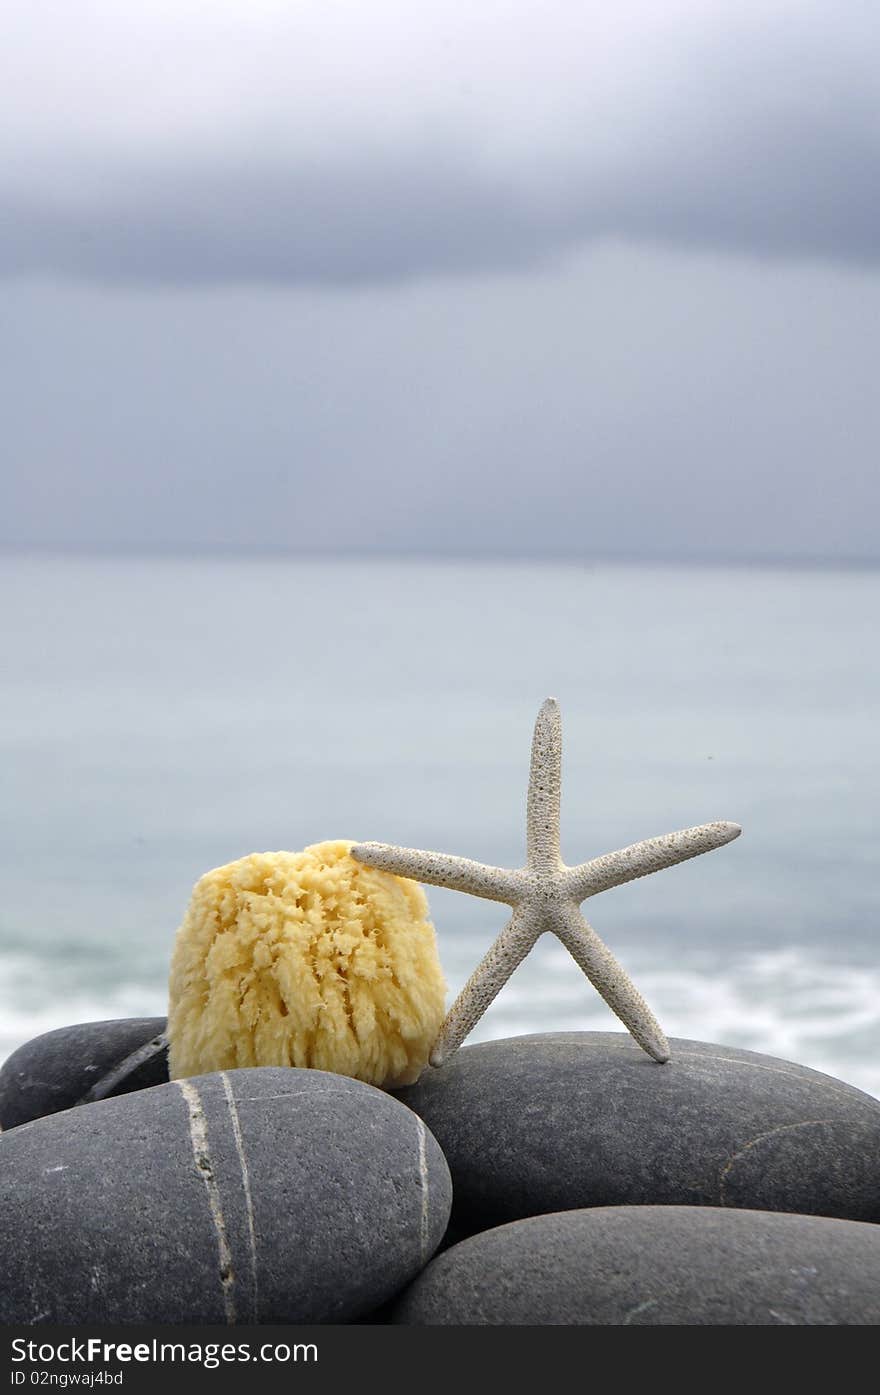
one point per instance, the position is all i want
(547, 895)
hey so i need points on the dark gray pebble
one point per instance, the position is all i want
(654, 1265)
(59, 1069)
(267, 1195)
(560, 1121)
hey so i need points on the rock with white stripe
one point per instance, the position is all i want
(250, 1196)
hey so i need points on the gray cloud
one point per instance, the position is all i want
(795, 193)
(629, 403)
(567, 278)
(755, 131)
(245, 223)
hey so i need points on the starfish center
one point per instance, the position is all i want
(550, 888)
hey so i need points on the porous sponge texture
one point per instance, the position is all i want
(305, 959)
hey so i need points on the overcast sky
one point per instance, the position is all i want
(505, 278)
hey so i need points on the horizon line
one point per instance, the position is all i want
(247, 552)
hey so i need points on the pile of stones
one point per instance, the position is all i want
(559, 1178)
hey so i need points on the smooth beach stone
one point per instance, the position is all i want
(264, 1195)
(654, 1265)
(564, 1120)
(58, 1069)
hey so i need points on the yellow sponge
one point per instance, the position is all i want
(305, 959)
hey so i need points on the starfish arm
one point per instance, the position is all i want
(439, 869)
(652, 855)
(485, 983)
(610, 980)
(545, 785)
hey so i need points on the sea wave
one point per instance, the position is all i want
(27, 1009)
(794, 1003)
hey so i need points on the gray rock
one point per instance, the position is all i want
(268, 1195)
(560, 1121)
(654, 1265)
(59, 1069)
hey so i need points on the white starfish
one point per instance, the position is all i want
(546, 895)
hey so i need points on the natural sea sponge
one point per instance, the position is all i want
(305, 959)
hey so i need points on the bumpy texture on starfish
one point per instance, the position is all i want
(546, 895)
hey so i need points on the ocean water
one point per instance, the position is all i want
(160, 717)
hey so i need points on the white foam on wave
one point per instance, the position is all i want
(795, 1003)
(27, 1010)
